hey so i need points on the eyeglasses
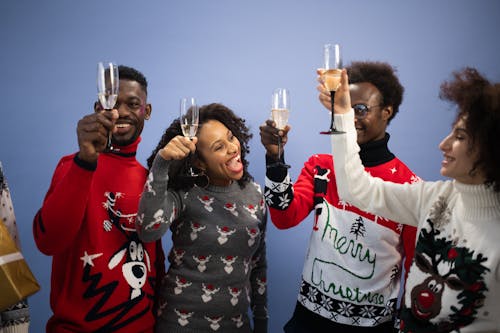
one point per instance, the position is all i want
(360, 110)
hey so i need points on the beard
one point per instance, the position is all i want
(126, 140)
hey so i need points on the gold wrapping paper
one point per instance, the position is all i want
(16, 279)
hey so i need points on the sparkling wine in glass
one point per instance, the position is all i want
(189, 120)
(331, 78)
(107, 89)
(280, 108)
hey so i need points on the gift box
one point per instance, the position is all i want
(16, 279)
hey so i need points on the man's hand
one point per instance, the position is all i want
(92, 131)
(269, 137)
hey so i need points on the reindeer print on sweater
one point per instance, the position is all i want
(450, 288)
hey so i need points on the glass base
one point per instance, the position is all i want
(332, 131)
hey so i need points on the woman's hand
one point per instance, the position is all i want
(342, 95)
(178, 148)
(324, 93)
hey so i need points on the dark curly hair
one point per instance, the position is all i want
(478, 103)
(214, 111)
(132, 74)
(381, 75)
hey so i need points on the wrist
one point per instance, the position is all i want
(163, 153)
(87, 164)
(272, 156)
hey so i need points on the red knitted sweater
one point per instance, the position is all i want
(103, 276)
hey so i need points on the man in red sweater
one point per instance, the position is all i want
(352, 271)
(103, 276)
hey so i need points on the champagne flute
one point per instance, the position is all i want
(331, 78)
(280, 105)
(189, 120)
(107, 89)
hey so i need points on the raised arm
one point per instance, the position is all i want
(288, 203)
(398, 202)
(59, 219)
(159, 206)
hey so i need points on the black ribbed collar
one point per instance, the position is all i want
(126, 151)
(123, 154)
(375, 152)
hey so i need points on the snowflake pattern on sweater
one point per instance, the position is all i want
(353, 266)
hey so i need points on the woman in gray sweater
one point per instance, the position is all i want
(218, 258)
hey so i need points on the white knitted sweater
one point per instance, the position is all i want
(454, 281)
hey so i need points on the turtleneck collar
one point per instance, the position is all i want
(375, 152)
(479, 202)
(126, 151)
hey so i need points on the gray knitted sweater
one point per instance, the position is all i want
(218, 258)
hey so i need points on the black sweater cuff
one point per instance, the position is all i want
(84, 164)
(275, 173)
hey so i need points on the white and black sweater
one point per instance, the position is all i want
(218, 259)
(350, 280)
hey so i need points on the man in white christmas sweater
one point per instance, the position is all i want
(352, 272)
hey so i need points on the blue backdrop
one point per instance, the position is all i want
(229, 51)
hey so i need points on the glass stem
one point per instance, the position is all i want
(109, 146)
(332, 125)
(279, 147)
(190, 168)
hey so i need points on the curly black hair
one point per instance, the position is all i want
(381, 75)
(214, 111)
(132, 74)
(478, 103)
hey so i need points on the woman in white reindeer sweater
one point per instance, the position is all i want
(454, 281)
